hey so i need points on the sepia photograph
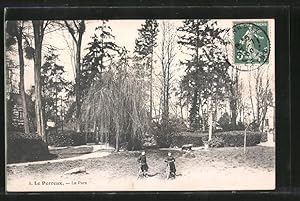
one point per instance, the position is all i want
(140, 105)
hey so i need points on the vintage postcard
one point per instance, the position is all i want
(140, 105)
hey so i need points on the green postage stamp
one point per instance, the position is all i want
(251, 42)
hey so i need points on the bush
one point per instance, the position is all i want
(187, 138)
(67, 138)
(236, 138)
(78, 138)
(224, 122)
(164, 132)
(215, 141)
(23, 147)
(163, 135)
(59, 139)
(240, 126)
(264, 137)
(221, 139)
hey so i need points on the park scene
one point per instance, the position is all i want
(140, 105)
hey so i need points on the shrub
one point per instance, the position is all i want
(240, 126)
(149, 142)
(215, 141)
(187, 138)
(221, 139)
(163, 135)
(236, 138)
(224, 122)
(164, 132)
(59, 139)
(23, 147)
(67, 138)
(78, 138)
(264, 137)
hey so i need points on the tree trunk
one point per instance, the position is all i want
(151, 90)
(234, 100)
(38, 39)
(210, 113)
(117, 137)
(77, 85)
(233, 109)
(22, 87)
(194, 111)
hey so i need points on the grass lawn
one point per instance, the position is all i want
(69, 152)
(217, 169)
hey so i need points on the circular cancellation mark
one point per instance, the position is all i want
(248, 45)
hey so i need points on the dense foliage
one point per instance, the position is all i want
(206, 69)
(116, 106)
(65, 138)
(23, 147)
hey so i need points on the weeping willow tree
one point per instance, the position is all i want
(116, 105)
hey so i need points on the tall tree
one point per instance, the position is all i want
(166, 57)
(15, 29)
(192, 38)
(76, 29)
(118, 105)
(101, 52)
(39, 27)
(144, 48)
(52, 77)
(207, 70)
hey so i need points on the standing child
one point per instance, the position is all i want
(143, 162)
(171, 165)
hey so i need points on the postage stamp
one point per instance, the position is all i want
(249, 45)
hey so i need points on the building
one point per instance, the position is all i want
(17, 110)
(15, 115)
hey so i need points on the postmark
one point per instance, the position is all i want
(248, 45)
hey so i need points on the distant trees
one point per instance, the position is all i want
(144, 48)
(261, 99)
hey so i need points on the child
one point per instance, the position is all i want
(143, 162)
(171, 164)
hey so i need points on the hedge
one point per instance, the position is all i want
(236, 138)
(23, 147)
(187, 138)
(65, 138)
(220, 139)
